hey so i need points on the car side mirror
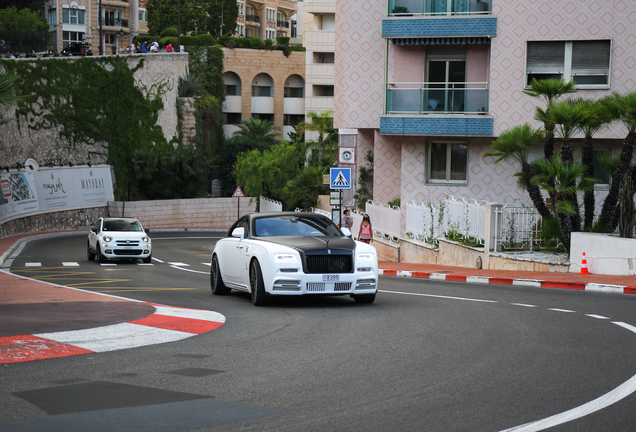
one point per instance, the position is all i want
(239, 233)
(346, 232)
(94, 230)
(147, 230)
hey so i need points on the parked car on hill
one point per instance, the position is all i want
(77, 49)
(293, 253)
(118, 238)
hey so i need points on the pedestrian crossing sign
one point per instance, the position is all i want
(340, 178)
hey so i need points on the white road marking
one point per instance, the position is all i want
(177, 264)
(524, 305)
(185, 269)
(190, 313)
(108, 264)
(31, 264)
(145, 264)
(561, 310)
(596, 316)
(527, 282)
(207, 264)
(439, 296)
(620, 392)
(158, 260)
(70, 264)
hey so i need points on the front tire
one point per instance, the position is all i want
(256, 284)
(216, 281)
(148, 259)
(100, 258)
(364, 298)
(89, 253)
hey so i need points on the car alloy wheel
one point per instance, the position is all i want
(256, 284)
(216, 282)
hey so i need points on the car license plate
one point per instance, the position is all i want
(331, 278)
(128, 247)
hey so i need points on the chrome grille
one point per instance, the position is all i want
(127, 242)
(342, 286)
(316, 286)
(364, 284)
(329, 263)
(286, 285)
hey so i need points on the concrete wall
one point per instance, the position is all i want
(55, 221)
(46, 146)
(188, 213)
(605, 254)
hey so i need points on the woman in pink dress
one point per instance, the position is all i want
(366, 232)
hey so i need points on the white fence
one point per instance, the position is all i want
(517, 227)
(465, 217)
(385, 220)
(267, 205)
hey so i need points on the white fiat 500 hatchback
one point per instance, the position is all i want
(118, 238)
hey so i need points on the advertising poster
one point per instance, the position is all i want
(55, 189)
(18, 194)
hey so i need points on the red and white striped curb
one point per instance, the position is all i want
(167, 324)
(618, 289)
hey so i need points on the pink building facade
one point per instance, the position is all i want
(430, 84)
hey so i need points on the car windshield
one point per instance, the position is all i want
(295, 226)
(122, 225)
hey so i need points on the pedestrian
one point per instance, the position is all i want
(169, 47)
(346, 221)
(114, 48)
(154, 47)
(366, 231)
(138, 47)
(144, 47)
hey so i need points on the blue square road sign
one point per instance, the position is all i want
(340, 178)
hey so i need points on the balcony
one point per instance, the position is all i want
(320, 40)
(437, 109)
(115, 22)
(252, 18)
(437, 8)
(282, 24)
(320, 6)
(410, 21)
(437, 98)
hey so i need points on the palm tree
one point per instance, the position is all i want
(549, 91)
(321, 123)
(566, 116)
(563, 179)
(8, 96)
(256, 134)
(515, 143)
(595, 121)
(622, 108)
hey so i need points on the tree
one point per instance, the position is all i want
(321, 123)
(622, 108)
(34, 5)
(302, 191)
(8, 96)
(14, 21)
(594, 121)
(256, 134)
(515, 143)
(549, 91)
(208, 16)
(267, 172)
(365, 182)
(563, 179)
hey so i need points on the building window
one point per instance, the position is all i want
(232, 118)
(293, 119)
(241, 8)
(231, 90)
(73, 16)
(52, 17)
(270, 34)
(68, 37)
(259, 91)
(240, 29)
(323, 90)
(447, 162)
(586, 62)
(142, 15)
(294, 92)
(249, 32)
(599, 173)
(271, 14)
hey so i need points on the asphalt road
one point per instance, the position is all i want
(426, 356)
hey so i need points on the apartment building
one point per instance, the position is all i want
(319, 27)
(263, 84)
(116, 23)
(429, 84)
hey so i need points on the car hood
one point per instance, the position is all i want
(308, 243)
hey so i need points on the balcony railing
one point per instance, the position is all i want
(437, 8)
(437, 98)
(283, 24)
(252, 18)
(115, 22)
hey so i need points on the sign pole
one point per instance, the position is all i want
(238, 207)
(340, 207)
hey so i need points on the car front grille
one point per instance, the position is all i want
(286, 285)
(342, 286)
(364, 284)
(315, 286)
(127, 251)
(317, 264)
(121, 243)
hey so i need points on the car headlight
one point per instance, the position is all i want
(145, 239)
(365, 256)
(285, 258)
(107, 239)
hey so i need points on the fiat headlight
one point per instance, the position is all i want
(145, 239)
(107, 239)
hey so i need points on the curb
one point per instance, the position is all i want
(167, 324)
(595, 287)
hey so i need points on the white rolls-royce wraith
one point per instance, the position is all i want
(293, 253)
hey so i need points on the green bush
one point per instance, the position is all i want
(163, 42)
(269, 44)
(256, 42)
(400, 9)
(170, 31)
(206, 40)
(282, 40)
(189, 40)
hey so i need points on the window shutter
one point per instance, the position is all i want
(590, 57)
(545, 57)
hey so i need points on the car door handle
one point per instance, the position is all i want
(239, 247)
